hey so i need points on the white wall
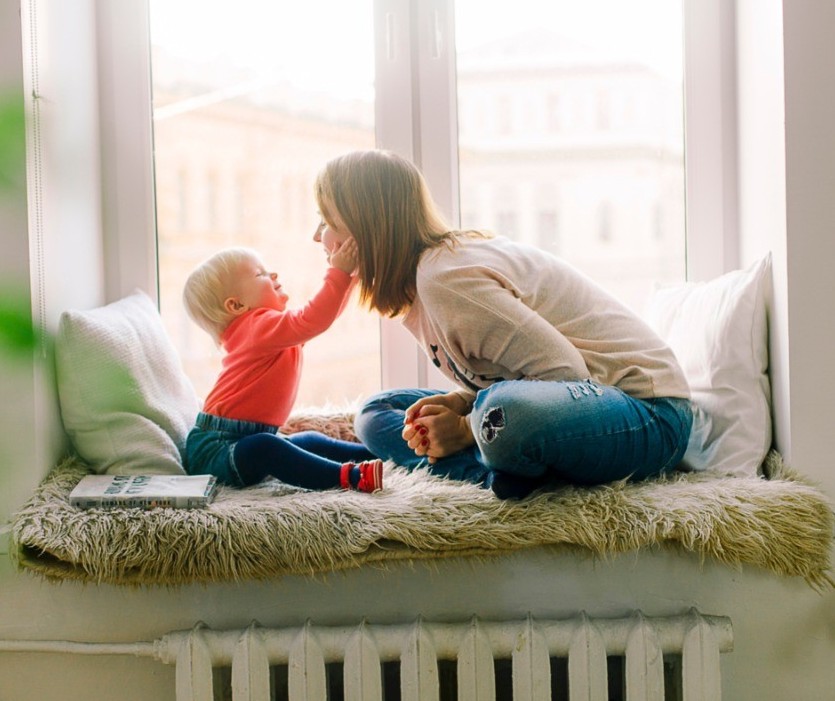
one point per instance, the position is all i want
(787, 180)
(16, 373)
(30, 438)
(49, 52)
(810, 220)
(782, 630)
(762, 187)
(59, 63)
(14, 263)
(786, 109)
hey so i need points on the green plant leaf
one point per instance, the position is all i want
(18, 334)
(12, 144)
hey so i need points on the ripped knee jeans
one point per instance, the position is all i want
(579, 431)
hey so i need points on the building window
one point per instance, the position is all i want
(504, 116)
(247, 90)
(604, 110)
(211, 204)
(240, 197)
(181, 201)
(658, 222)
(548, 232)
(507, 223)
(604, 222)
(553, 112)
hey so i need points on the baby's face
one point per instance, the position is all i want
(256, 287)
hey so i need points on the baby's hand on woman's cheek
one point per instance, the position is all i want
(346, 256)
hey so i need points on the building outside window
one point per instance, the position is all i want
(256, 105)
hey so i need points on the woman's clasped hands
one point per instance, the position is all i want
(438, 426)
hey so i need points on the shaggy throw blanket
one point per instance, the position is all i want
(780, 524)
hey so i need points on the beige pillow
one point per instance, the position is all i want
(126, 403)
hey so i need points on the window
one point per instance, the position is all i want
(540, 71)
(115, 78)
(614, 165)
(249, 103)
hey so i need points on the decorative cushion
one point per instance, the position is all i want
(719, 333)
(126, 403)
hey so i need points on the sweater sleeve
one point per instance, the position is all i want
(482, 319)
(297, 326)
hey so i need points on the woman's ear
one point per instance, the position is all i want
(234, 306)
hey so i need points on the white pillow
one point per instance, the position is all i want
(126, 403)
(719, 333)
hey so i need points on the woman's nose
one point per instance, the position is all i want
(273, 276)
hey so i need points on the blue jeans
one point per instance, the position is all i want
(242, 453)
(577, 431)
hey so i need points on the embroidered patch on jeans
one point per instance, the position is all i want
(491, 423)
(585, 388)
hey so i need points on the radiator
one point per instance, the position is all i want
(474, 647)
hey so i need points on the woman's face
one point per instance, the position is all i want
(331, 232)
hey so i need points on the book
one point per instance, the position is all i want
(144, 491)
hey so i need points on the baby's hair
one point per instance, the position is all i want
(208, 287)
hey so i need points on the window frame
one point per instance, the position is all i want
(415, 64)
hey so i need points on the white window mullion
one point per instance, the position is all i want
(437, 153)
(415, 117)
(395, 99)
(127, 168)
(710, 138)
(397, 127)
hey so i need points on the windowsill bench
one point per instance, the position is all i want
(781, 524)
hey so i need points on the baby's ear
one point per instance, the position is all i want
(233, 306)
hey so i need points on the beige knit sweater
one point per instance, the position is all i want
(492, 309)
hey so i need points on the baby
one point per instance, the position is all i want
(242, 305)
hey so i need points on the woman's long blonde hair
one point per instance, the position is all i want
(384, 201)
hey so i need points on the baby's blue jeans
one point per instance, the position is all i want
(242, 453)
(574, 431)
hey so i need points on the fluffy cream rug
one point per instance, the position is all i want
(780, 524)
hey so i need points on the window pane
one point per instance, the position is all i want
(250, 100)
(570, 119)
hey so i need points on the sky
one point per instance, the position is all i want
(329, 42)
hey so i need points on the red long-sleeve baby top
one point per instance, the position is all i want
(263, 361)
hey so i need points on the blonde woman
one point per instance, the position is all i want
(557, 380)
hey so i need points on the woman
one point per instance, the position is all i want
(558, 380)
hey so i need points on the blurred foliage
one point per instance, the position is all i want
(18, 336)
(12, 145)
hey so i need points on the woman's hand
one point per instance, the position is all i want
(346, 256)
(451, 400)
(437, 426)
